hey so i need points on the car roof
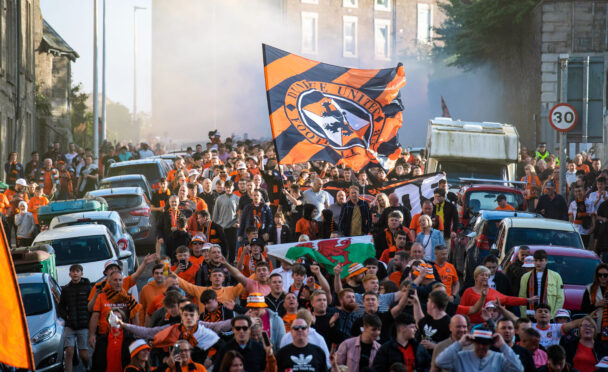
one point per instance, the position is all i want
(540, 223)
(136, 162)
(126, 177)
(117, 191)
(72, 232)
(490, 187)
(26, 278)
(499, 215)
(554, 250)
(93, 215)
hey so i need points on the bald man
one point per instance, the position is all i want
(459, 325)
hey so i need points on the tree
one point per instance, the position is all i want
(119, 123)
(82, 117)
(481, 31)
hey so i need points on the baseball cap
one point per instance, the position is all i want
(207, 246)
(256, 300)
(199, 238)
(257, 241)
(482, 336)
(562, 313)
(110, 263)
(355, 269)
(137, 346)
(528, 262)
(489, 305)
(21, 182)
(241, 165)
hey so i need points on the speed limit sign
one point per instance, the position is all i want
(563, 117)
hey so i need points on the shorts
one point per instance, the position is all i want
(80, 335)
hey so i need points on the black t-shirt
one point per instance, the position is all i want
(434, 330)
(322, 325)
(310, 358)
(366, 350)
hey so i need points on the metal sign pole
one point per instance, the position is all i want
(563, 97)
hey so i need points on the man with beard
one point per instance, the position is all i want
(506, 329)
(392, 239)
(213, 261)
(348, 312)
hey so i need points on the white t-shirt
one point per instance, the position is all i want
(572, 212)
(491, 283)
(595, 199)
(539, 278)
(550, 335)
(318, 199)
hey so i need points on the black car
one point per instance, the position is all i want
(129, 180)
(153, 169)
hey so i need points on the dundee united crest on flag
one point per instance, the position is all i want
(331, 113)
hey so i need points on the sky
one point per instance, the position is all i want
(73, 20)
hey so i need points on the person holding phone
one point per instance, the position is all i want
(251, 350)
(179, 359)
(185, 268)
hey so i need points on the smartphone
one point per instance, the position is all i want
(413, 288)
(182, 263)
(266, 339)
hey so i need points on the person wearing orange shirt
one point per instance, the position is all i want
(251, 256)
(36, 202)
(153, 288)
(532, 186)
(447, 271)
(427, 209)
(502, 204)
(200, 203)
(184, 268)
(291, 308)
(198, 249)
(217, 277)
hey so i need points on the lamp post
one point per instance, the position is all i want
(135, 9)
(103, 72)
(95, 97)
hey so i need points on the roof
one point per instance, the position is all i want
(553, 250)
(499, 215)
(541, 223)
(26, 278)
(93, 215)
(71, 232)
(123, 178)
(136, 162)
(117, 191)
(490, 187)
(53, 43)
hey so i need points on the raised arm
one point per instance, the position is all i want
(477, 306)
(147, 260)
(234, 272)
(316, 270)
(337, 279)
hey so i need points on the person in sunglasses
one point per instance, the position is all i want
(252, 351)
(300, 354)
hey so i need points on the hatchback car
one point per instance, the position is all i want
(40, 295)
(134, 208)
(88, 245)
(130, 180)
(111, 220)
(575, 266)
(483, 230)
(153, 169)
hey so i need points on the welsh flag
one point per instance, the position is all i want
(327, 252)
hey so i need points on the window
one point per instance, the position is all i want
(576, 85)
(310, 24)
(382, 38)
(382, 5)
(350, 3)
(425, 23)
(349, 48)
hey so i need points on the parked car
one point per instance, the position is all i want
(484, 226)
(134, 208)
(153, 169)
(109, 219)
(480, 197)
(88, 245)
(129, 180)
(516, 231)
(576, 267)
(40, 295)
(57, 208)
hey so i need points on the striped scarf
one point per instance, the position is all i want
(188, 335)
(214, 316)
(533, 288)
(122, 297)
(604, 323)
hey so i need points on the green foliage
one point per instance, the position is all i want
(480, 31)
(81, 117)
(119, 123)
(43, 104)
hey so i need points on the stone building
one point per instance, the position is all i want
(20, 34)
(53, 76)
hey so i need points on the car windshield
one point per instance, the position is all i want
(486, 200)
(111, 225)
(123, 183)
(118, 202)
(573, 270)
(491, 230)
(82, 249)
(150, 170)
(536, 236)
(456, 170)
(36, 298)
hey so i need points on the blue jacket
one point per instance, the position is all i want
(436, 239)
(346, 216)
(247, 219)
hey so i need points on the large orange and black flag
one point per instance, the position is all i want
(338, 114)
(15, 347)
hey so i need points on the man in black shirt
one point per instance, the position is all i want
(253, 352)
(552, 205)
(325, 317)
(435, 325)
(300, 355)
(276, 297)
(370, 305)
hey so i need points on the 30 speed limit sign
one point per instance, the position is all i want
(563, 117)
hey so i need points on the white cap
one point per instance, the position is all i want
(21, 182)
(241, 165)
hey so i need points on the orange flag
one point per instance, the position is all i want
(15, 346)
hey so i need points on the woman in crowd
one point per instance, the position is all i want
(595, 298)
(585, 352)
(429, 237)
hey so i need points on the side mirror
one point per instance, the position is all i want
(124, 254)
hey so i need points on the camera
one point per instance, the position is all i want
(212, 133)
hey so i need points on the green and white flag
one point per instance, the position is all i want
(327, 252)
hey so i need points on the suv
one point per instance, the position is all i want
(134, 208)
(88, 245)
(484, 226)
(129, 180)
(111, 220)
(515, 231)
(483, 197)
(153, 169)
(40, 296)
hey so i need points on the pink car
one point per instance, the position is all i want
(576, 267)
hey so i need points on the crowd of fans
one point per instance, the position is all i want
(216, 299)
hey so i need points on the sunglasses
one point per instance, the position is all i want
(602, 275)
(241, 328)
(197, 243)
(299, 328)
